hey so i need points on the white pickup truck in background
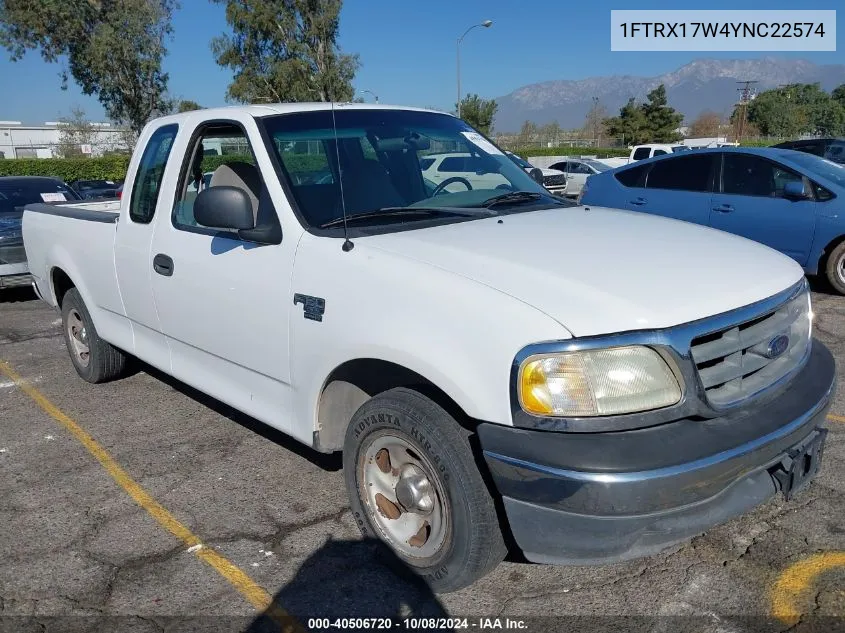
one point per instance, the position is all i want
(489, 358)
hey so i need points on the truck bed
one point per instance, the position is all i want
(78, 239)
(106, 211)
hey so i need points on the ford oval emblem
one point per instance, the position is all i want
(777, 346)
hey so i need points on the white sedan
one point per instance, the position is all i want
(577, 171)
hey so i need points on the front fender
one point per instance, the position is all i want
(459, 334)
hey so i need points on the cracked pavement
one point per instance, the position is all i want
(73, 543)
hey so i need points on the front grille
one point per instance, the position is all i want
(744, 359)
(12, 254)
(557, 179)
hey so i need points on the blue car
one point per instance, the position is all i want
(791, 201)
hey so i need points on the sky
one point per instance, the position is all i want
(407, 51)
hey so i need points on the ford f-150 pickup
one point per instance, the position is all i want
(490, 359)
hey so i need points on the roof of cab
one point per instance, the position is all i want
(270, 109)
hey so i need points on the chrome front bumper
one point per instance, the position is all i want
(583, 498)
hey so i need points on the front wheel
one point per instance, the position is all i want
(413, 483)
(835, 269)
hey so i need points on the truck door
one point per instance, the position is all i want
(224, 302)
(146, 191)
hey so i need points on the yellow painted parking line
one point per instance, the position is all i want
(835, 418)
(246, 586)
(793, 585)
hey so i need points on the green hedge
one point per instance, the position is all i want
(600, 152)
(294, 163)
(68, 169)
(114, 167)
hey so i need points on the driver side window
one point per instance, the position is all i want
(220, 155)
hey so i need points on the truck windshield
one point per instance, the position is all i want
(380, 159)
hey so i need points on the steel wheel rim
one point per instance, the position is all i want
(405, 498)
(840, 269)
(78, 337)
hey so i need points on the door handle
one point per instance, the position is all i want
(163, 265)
(723, 208)
(638, 201)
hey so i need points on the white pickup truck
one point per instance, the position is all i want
(593, 383)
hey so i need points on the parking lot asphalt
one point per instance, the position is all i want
(273, 520)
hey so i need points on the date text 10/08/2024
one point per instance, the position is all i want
(411, 624)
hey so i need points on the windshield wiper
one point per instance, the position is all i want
(394, 211)
(512, 197)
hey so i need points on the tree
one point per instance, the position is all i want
(708, 124)
(661, 119)
(797, 109)
(631, 124)
(74, 132)
(478, 112)
(186, 105)
(651, 122)
(527, 133)
(113, 49)
(550, 132)
(285, 50)
(829, 119)
(594, 122)
(838, 94)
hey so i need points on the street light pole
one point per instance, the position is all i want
(485, 24)
(372, 93)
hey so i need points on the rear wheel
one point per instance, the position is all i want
(94, 359)
(413, 483)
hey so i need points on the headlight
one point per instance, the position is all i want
(596, 382)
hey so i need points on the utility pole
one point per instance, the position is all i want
(745, 97)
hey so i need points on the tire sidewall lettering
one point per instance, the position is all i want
(376, 419)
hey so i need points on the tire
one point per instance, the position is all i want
(392, 440)
(101, 362)
(835, 268)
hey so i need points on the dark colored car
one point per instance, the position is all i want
(89, 189)
(15, 193)
(832, 149)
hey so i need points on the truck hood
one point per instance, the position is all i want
(602, 271)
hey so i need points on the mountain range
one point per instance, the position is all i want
(703, 84)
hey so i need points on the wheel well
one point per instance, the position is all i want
(61, 284)
(354, 382)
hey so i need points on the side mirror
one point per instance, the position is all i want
(794, 190)
(537, 174)
(224, 208)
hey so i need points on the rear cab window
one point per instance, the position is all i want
(641, 152)
(151, 169)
